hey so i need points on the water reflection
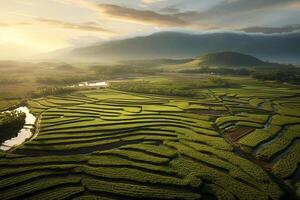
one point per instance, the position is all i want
(24, 134)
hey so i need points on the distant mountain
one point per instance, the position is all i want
(174, 45)
(226, 59)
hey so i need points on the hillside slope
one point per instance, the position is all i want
(231, 59)
(182, 45)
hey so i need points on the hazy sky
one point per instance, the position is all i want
(52, 24)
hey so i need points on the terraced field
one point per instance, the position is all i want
(107, 144)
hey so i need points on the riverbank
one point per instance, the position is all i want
(24, 134)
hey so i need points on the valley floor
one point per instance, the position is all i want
(224, 143)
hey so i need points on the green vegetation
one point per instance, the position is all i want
(45, 91)
(175, 87)
(62, 81)
(220, 70)
(286, 166)
(10, 124)
(36, 186)
(232, 63)
(281, 75)
(7, 104)
(147, 87)
(174, 136)
(280, 143)
(259, 136)
(119, 70)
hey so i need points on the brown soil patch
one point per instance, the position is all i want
(237, 133)
(208, 112)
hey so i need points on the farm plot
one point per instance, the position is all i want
(264, 125)
(115, 145)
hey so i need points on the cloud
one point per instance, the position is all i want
(295, 5)
(87, 26)
(142, 16)
(270, 30)
(83, 3)
(220, 14)
(246, 5)
(151, 1)
(4, 24)
(170, 9)
(233, 7)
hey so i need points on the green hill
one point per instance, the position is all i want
(227, 59)
(230, 59)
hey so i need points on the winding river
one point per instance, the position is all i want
(24, 134)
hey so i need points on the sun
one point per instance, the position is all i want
(9, 36)
(24, 38)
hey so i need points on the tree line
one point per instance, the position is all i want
(279, 74)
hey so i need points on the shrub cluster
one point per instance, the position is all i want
(10, 124)
(46, 91)
(145, 87)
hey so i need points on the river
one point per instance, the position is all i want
(24, 134)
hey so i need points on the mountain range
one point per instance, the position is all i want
(177, 45)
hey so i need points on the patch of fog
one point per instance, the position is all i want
(24, 134)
